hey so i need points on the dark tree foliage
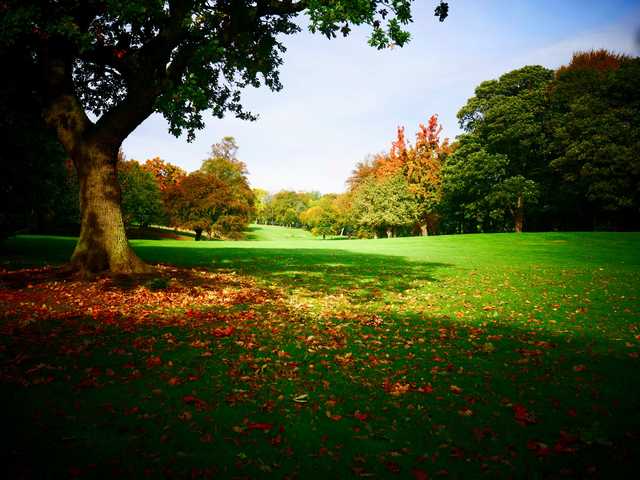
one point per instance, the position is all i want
(595, 131)
(38, 188)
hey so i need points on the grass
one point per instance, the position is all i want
(463, 356)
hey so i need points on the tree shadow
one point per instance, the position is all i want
(315, 270)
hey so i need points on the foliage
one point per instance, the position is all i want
(321, 217)
(506, 118)
(165, 173)
(217, 198)
(141, 196)
(123, 61)
(385, 204)
(185, 57)
(284, 207)
(596, 134)
(38, 190)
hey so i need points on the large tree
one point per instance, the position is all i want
(595, 129)
(106, 65)
(506, 117)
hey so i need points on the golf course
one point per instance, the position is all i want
(286, 356)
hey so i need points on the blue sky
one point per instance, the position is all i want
(343, 100)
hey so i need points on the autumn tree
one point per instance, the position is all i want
(141, 196)
(123, 61)
(422, 168)
(165, 173)
(203, 203)
(217, 198)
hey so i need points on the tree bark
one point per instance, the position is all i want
(389, 232)
(519, 215)
(93, 147)
(102, 245)
(198, 234)
(424, 230)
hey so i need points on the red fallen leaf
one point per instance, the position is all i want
(455, 389)
(392, 467)
(223, 332)
(361, 416)
(562, 445)
(579, 368)
(539, 448)
(277, 440)
(265, 427)
(173, 381)
(191, 400)
(153, 362)
(465, 412)
(572, 412)
(419, 474)
(522, 415)
(425, 389)
(131, 411)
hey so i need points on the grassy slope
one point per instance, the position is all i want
(548, 321)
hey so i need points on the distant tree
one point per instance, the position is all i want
(284, 208)
(322, 217)
(224, 164)
(385, 205)
(165, 173)
(261, 198)
(124, 60)
(141, 196)
(203, 203)
(216, 199)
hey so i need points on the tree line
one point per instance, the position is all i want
(215, 200)
(540, 150)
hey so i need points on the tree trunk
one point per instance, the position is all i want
(389, 232)
(424, 230)
(198, 234)
(103, 244)
(519, 215)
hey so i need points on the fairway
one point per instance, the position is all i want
(284, 355)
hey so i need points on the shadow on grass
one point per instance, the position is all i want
(576, 423)
(323, 271)
(317, 270)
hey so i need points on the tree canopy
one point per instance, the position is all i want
(124, 60)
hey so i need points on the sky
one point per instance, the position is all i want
(343, 100)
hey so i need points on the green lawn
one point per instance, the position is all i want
(464, 356)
